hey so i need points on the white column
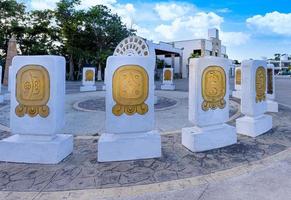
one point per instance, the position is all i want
(37, 112)
(253, 99)
(208, 105)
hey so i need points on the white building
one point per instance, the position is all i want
(281, 64)
(201, 47)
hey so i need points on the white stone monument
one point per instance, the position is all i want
(168, 74)
(1, 95)
(254, 100)
(88, 80)
(237, 83)
(37, 112)
(272, 105)
(130, 131)
(208, 105)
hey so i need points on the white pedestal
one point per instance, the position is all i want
(131, 146)
(1, 98)
(18, 148)
(168, 87)
(236, 94)
(199, 139)
(104, 87)
(253, 126)
(88, 88)
(272, 106)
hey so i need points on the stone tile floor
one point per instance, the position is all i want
(82, 171)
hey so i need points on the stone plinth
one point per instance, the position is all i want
(272, 105)
(129, 110)
(168, 76)
(37, 111)
(88, 80)
(254, 99)
(237, 83)
(208, 105)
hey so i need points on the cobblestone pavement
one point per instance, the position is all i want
(82, 171)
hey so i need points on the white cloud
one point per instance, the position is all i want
(43, 4)
(223, 10)
(126, 12)
(189, 27)
(273, 22)
(171, 11)
(234, 38)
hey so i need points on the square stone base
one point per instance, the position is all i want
(88, 88)
(254, 126)
(199, 139)
(272, 106)
(18, 148)
(131, 146)
(168, 87)
(236, 94)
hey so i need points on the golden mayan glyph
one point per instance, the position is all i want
(89, 75)
(238, 77)
(130, 90)
(167, 75)
(260, 84)
(32, 91)
(270, 81)
(213, 88)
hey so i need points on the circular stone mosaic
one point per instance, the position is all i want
(99, 104)
(82, 171)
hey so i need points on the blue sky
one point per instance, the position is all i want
(248, 28)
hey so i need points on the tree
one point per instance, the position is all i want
(105, 30)
(277, 56)
(12, 17)
(41, 36)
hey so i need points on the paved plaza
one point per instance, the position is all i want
(254, 168)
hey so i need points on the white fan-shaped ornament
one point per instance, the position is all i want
(132, 46)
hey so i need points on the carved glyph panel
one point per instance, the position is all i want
(238, 77)
(260, 84)
(130, 90)
(32, 91)
(132, 46)
(167, 75)
(213, 88)
(89, 75)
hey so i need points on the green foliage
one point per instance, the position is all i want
(12, 16)
(160, 63)
(194, 55)
(82, 36)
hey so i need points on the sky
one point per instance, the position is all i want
(248, 28)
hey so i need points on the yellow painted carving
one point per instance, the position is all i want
(89, 75)
(32, 91)
(260, 84)
(238, 77)
(213, 88)
(167, 75)
(130, 90)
